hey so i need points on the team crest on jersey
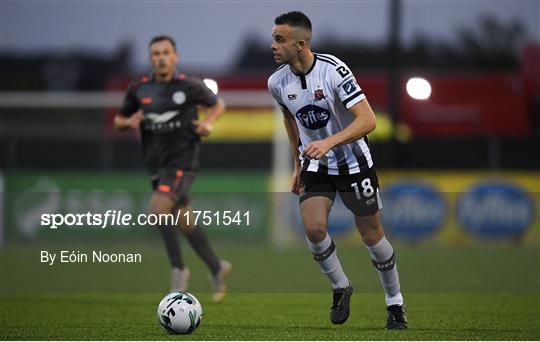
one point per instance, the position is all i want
(319, 95)
(313, 117)
(179, 97)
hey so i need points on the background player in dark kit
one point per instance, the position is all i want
(327, 112)
(163, 106)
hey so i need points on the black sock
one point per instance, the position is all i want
(198, 240)
(170, 237)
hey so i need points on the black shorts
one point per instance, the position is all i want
(174, 183)
(359, 191)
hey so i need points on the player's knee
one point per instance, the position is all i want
(316, 232)
(187, 220)
(159, 209)
(161, 205)
(371, 236)
(371, 239)
(370, 230)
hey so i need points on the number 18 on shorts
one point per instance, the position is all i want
(359, 191)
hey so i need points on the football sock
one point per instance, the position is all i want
(384, 260)
(325, 254)
(198, 240)
(170, 237)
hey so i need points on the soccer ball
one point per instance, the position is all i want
(179, 313)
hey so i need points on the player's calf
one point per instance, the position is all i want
(180, 279)
(218, 280)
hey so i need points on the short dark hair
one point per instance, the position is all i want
(294, 19)
(161, 39)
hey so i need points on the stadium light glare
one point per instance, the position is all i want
(418, 88)
(212, 85)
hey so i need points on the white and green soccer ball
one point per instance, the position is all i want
(179, 313)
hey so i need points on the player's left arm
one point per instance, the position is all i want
(213, 104)
(345, 88)
(364, 122)
(205, 126)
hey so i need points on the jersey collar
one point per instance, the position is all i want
(175, 76)
(303, 76)
(307, 72)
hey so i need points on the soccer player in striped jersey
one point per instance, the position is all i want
(327, 118)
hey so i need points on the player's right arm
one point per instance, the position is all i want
(122, 122)
(292, 133)
(294, 136)
(129, 114)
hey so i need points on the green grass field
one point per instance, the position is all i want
(270, 316)
(451, 294)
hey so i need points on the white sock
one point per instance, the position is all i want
(326, 256)
(382, 255)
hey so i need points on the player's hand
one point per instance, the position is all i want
(295, 183)
(134, 121)
(203, 128)
(317, 149)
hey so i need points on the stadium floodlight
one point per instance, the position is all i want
(418, 88)
(212, 85)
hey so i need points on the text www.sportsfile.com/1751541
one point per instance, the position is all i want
(117, 218)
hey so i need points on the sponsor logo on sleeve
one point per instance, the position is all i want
(349, 86)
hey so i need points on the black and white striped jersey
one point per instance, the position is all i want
(319, 101)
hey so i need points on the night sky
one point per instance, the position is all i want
(211, 33)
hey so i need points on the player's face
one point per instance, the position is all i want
(163, 57)
(284, 46)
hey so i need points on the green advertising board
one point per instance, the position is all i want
(32, 198)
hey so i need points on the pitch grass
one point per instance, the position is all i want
(451, 294)
(259, 268)
(270, 316)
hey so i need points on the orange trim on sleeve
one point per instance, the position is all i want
(164, 188)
